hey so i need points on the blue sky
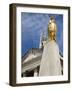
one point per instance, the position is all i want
(32, 24)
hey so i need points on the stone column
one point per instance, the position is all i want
(50, 62)
(35, 72)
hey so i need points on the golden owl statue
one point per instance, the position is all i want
(52, 29)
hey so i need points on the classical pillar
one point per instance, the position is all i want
(50, 62)
(35, 72)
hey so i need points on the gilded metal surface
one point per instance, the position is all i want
(52, 29)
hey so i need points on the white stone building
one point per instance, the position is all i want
(31, 62)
